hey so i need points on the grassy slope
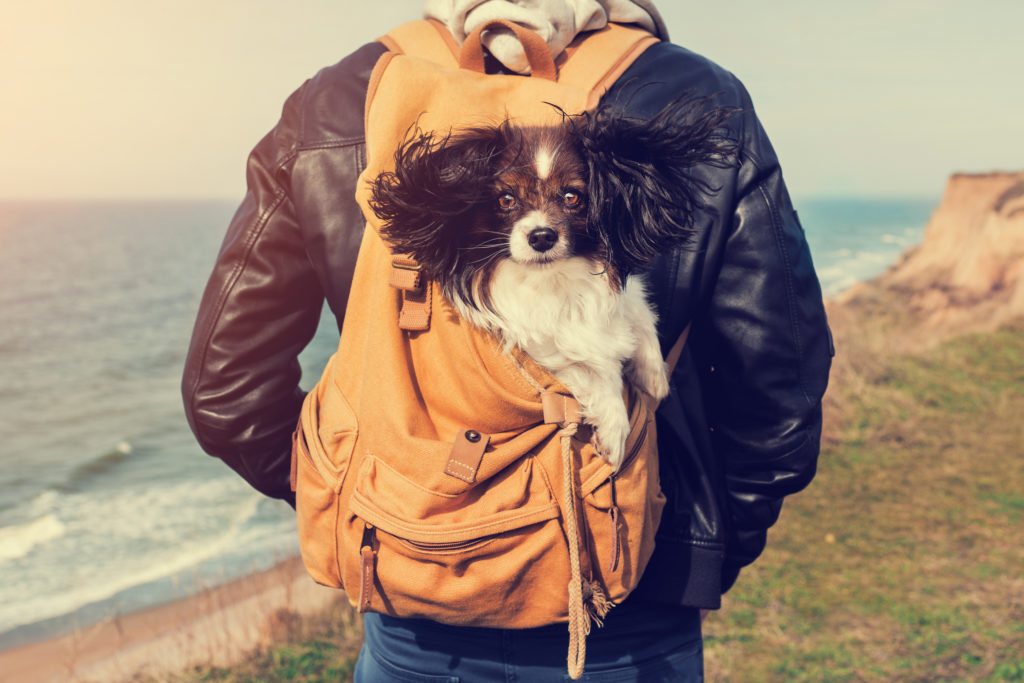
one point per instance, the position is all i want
(904, 561)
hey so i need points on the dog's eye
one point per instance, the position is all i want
(507, 201)
(571, 198)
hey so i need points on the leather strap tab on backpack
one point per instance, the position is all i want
(416, 288)
(560, 408)
(406, 274)
(466, 455)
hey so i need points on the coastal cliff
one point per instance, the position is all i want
(967, 275)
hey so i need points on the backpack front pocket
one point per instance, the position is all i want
(460, 559)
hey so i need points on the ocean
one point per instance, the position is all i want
(107, 505)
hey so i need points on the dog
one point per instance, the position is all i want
(539, 234)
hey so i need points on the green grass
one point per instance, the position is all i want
(902, 562)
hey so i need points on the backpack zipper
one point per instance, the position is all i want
(449, 547)
(613, 510)
(367, 564)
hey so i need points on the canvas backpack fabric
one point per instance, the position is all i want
(436, 475)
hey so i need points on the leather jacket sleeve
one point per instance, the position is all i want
(766, 352)
(292, 243)
(742, 426)
(260, 308)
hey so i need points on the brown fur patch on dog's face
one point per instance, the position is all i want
(540, 197)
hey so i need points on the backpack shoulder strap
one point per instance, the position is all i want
(672, 358)
(426, 39)
(596, 59)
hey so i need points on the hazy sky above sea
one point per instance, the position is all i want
(154, 99)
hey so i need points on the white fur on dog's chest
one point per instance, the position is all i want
(559, 313)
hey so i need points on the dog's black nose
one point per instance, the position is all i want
(542, 239)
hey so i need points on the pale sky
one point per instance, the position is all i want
(158, 99)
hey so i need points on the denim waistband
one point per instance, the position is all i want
(639, 641)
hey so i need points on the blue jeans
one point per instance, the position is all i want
(639, 642)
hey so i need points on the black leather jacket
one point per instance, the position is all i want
(741, 427)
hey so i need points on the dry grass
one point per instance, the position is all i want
(322, 647)
(902, 562)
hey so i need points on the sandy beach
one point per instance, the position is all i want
(218, 626)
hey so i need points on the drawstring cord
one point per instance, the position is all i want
(587, 599)
(579, 621)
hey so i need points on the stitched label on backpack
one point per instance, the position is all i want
(467, 452)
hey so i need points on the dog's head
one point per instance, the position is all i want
(613, 189)
(535, 205)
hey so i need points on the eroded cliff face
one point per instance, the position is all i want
(968, 273)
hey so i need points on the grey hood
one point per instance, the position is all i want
(557, 21)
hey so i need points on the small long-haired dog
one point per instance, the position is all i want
(537, 234)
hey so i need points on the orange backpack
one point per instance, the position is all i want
(437, 476)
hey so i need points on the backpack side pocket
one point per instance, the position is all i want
(623, 509)
(322, 449)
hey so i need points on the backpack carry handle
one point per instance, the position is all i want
(538, 55)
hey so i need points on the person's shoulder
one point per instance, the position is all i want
(667, 73)
(328, 108)
(352, 72)
(668, 69)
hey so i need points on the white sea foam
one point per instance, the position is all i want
(847, 269)
(130, 538)
(43, 503)
(18, 541)
(101, 447)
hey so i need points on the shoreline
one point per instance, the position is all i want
(217, 626)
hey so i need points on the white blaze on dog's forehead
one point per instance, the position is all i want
(545, 159)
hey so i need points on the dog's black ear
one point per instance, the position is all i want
(424, 205)
(645, 182)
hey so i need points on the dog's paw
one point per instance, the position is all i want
(651, 379)
(611, 434)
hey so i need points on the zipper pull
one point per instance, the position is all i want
(613, 516)
(367, 559)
